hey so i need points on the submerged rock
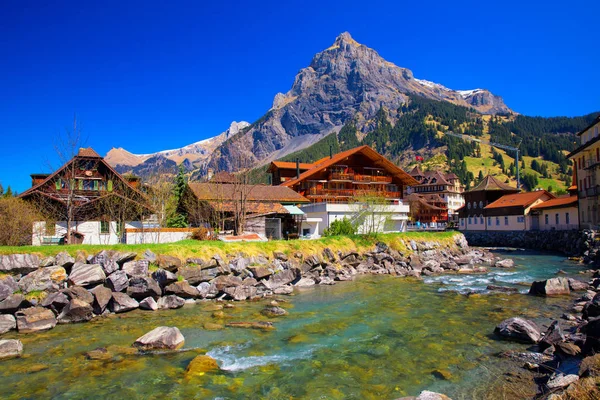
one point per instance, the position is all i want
(265, 326)
(163, 337)
(10, 348)
(200, 365)
(273, 311)
(550, 287)
(519, 329)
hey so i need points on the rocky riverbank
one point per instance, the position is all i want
(36, 293)
(562, 358)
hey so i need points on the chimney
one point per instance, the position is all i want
(330, 151)
(297, 168)
(209, 174)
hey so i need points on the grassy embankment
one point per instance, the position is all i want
(207, 249)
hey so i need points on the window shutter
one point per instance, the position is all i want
(58, 184)
(80, 184)
(110, 186)
(95, 185)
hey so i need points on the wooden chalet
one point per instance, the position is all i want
(427, 208)
(345, 185)
(92, 196)
(271, 212)
(445, 186)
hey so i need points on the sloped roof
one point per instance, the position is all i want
(88, 152)
(226, 191)
(417, 198)
(252, 207)
(491, 183)
(364, 150)
(567, 201)
(288, 165)
(223, 177)
(416, 171)
(518, 199)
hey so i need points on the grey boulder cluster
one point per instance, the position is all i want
(577, 338)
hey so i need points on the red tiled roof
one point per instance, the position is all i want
(518, 199)
(289, 165)
(366, 151)
(491, 183)
(567, 201)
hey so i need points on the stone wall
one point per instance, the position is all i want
(572, 243)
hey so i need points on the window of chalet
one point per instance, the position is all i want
(556, 219)
(497, 221)
(470, 221)
(520, 219)
(546, 219)
(567, 219)
(490, 221)
(104, 227)
(88, 185)
(481, 219)
(505, 220)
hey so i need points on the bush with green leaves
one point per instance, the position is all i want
(340, 227)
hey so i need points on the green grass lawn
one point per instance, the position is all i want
(206, 249)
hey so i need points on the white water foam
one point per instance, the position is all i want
(229, 361)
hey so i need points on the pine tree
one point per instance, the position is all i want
(480, 176)
(8, 192)
(178, 220)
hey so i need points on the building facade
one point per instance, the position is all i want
(86, 201)
(358, 184)
(446, 186)
(558, 214)
(586, 169)
(512, 212)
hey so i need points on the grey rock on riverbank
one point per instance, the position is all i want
(519, 329)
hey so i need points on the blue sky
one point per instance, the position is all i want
(152, 75)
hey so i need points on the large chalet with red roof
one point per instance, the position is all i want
(359, 184)
(87, 196)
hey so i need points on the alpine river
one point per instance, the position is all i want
(378, 337)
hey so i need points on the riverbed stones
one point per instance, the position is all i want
(117, 281)
(170, 302)
(19, 263)
(559, 381)
(200, 365)
(10, 348)
(35, 319)
(47, 279)
(121, 303)
(182, 289)
(239, 293)
(136, 268)
(168, 263)
(102, 296)
(76, 311)
(7, 323)
(506, 263)
(77, 292)
(86, 274)
(12, 303)
(519, 329)
(577, 285)
(149, 304)
(550, 287)
(553, 336)
(55, 301)
(273, 311)
(8, 286)
(163, 337)
(164, 277)
(141, 287)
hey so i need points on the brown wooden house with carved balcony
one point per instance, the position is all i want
(89, 195)
(335, 185)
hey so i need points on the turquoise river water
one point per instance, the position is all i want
(378, 337)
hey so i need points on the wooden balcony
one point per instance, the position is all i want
(316, 192)
(352, 177)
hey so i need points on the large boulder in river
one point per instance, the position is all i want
(506, 263)
(141, 287)
(519, 329)
(170, 302)
(8, 286)
(47, 279)
(239, 293)
(117, 281)
(19, 263)
(7, 323)
(182, 289)
(76, 311)
(35, 319)
(163, 337)
(121, 303)
(550, 287)
(86, 274)
(10, 348)
(200, 365)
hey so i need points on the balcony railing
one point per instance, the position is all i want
(351, 193)
(339, 176)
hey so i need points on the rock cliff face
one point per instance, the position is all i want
(347, 80)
